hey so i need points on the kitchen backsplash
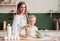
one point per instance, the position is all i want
(44, 21)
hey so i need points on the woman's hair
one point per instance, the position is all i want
(19, 6)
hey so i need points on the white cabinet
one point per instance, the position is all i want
(6, 8)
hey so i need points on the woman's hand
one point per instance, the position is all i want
(23, 37)
(26, 26)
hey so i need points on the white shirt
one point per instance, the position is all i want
(31, 31)
(18, 22)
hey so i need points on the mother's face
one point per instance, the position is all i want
(22, 8)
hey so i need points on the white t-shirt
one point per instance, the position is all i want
(31, 31)
(18, 22)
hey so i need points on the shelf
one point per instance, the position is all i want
(5, 8)
(7, 4)
(12, 12)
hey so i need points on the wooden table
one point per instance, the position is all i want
(49, 38)
(36, 39)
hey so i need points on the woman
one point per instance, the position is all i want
(20, 18)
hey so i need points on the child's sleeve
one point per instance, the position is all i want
(36, 28)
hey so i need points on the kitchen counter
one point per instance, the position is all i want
(36, 39)
(44, 39)
(54, 35)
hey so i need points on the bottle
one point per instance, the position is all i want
(5, 1)
(5, 38)
(4, 25)
(9, 31)
(46, 33)
(12, 1)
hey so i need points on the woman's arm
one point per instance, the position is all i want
(22, 36)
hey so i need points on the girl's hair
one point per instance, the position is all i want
(19, 6)
(32, 16)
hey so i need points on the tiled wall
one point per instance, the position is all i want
(44, 20)
(8, 17)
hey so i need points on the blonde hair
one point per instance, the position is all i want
(32, 16)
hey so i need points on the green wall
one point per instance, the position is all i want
(5, 17)
(44, 21)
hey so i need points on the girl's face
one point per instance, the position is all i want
(32, 21)
(23, 8)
